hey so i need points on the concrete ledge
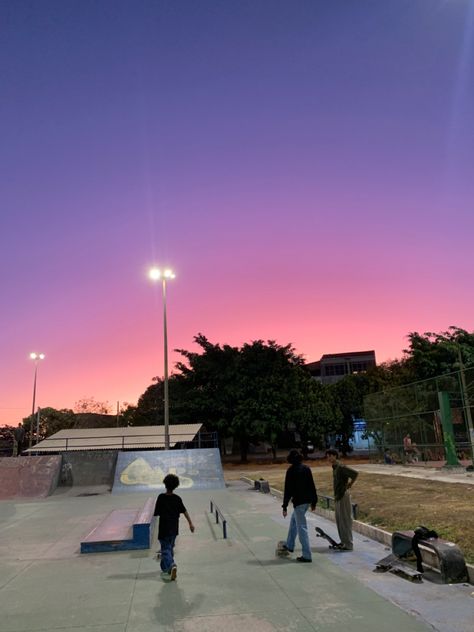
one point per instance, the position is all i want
(122, 530)
(367, 530)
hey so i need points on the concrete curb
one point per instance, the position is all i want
(367, 530)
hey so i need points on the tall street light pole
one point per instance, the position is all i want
(36, 357)
(156, 274)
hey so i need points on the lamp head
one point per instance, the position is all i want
(155, 274)
(37, 356)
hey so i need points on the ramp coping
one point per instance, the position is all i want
(145, 514)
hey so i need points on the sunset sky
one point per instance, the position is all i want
(305, 166)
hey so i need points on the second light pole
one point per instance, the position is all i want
(36, 357)
(157, 274)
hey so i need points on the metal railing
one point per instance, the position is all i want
(129, 442)
(214, 509)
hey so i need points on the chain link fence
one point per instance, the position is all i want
(414, 409)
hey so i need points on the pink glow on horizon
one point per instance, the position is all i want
(305, 170)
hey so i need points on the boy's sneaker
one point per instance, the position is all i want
(303, 559)
(173, 572)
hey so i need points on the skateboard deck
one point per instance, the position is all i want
(322, 534)
(393, 564)
(281, 550)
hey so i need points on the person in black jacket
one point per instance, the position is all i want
(301, 490)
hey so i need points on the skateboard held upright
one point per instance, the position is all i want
(332, 543)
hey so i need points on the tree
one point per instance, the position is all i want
(210, 383)
(51, 421)
(251, 393)
(432, 362)
(89, 405)
(269, 385)
(352, 396)
(324, 416)
(432, 354)
(149, 410)
(348, 395)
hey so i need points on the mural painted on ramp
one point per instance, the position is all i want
(145, 470)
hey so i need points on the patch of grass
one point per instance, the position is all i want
(395, 502)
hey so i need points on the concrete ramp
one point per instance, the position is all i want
(144, 471)
(88, 467)
(29, 476)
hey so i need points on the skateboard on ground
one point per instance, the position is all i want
(281, 550)
(395, 565)
(322, 534)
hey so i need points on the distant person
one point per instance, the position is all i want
(18, 440)
(168, 507)
(343, 479)
(410, 449)
(415, 453)
(387, 457)
(301, 491)
(407, 446)
(306, 448)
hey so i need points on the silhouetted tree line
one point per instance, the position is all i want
(261, 390)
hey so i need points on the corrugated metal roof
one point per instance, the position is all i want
(116, 438)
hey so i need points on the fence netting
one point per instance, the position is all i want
(414, 410)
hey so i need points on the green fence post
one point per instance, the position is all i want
(448, 434)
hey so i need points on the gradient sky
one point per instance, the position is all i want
(306, 166)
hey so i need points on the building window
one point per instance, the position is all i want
(359, 367)
(335, 369)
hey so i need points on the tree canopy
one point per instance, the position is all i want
(90, 405)
(431, 354)
(254, 392)
(51, 421)
(262, 389)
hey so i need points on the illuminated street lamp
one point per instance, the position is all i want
(36, 357)
(157, 274)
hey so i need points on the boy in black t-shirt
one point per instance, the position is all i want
(169, 506)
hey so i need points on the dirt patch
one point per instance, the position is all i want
(393, 502)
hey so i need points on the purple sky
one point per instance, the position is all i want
(305, 166)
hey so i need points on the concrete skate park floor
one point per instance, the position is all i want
(233, 585)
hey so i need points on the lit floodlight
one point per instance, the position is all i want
(154, 274)
(37, 356)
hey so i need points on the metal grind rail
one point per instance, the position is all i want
(214, 509)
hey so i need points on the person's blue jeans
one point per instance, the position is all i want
(167, 551)
(298, 526)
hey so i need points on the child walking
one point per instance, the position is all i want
(169, 506)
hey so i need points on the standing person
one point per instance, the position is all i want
(168, 507)
(301, 490)
(407, 447)
(18, 439)
(343, 479)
